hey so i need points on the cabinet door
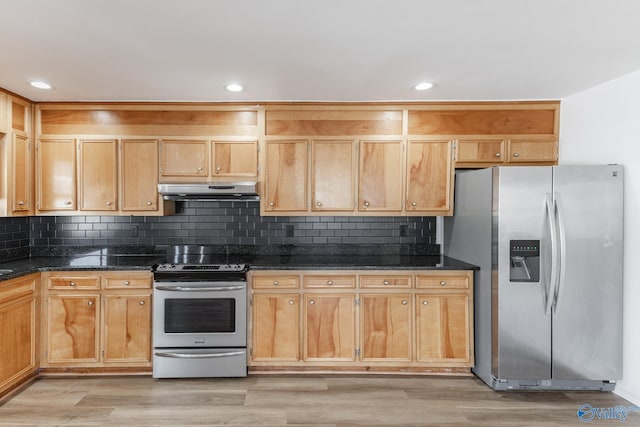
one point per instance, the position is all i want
(72, 328)
(429, 176)
(235, 158)
(21, 166)
(276, 328)
(523, 151)
(56, 172)
(127, 328)
(442, 328)
(98, 175)
(385, 327)
(184, 158)
(17, 330)
(329, 327)
(139, 175)
(332, 175)
(286, 176)
(380, 180)
(489, 151)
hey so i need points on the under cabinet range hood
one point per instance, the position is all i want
(246, 191)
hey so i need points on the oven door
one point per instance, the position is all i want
(200, 314)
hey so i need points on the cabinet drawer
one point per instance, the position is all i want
(442, 282)
(126, 282)
(329, 281)
(74, 282)
(390, 281)
(276, 282)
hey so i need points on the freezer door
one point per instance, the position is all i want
(522, 326)
(587, 314)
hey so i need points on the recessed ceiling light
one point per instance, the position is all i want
(423, 86)
(234, 87)
(40, 84)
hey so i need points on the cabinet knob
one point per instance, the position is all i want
(498, 154)
(218, 169)
(149, 203)
(318, 204)
(385, 282)
(366, 204)
(329, 282)
(271, 204)
(67, 202)
(516, 154)
(312, 302)
(443, 283)
(276, 283)
(404, 302)
(21, 203)
(126, 283)
(414, 204)
(291, 302)
(141, 303)
(72, 284)
(108, 203)
(425, 302)
(90, 303)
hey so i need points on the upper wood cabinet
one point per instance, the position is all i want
(380, 179)
(475, 152)
(234, 158)
(333, 173)
(56, 175)
(98, 175)
(139, 175)
(285, 176)
(184, 158)
(16, 157)
(429, 177)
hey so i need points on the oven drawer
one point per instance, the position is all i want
(199, 362)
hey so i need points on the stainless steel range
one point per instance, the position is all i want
(199, 320)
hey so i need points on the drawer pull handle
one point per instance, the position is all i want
(72, 284)
(291, 302)
(498, 154)
(272, 204)
(516, 154)
(404, 302)
(312, 302)
(149, 203)
(366, 204)
(276, 283)
(443, 283)
(141, 303)
(329, 282)
(126, 283)
(414, 204)
(90, 303)
(385, 282)
(425, 302)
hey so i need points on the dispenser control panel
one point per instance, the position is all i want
(524, 261)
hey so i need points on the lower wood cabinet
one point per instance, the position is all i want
(18, 330)
(97, 319)
(361, 320)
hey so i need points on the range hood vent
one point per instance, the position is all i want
(246, 191)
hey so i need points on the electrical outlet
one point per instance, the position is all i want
(288, 230)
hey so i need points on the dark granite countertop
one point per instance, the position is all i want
(26, 266)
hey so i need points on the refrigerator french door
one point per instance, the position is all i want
(548, 300)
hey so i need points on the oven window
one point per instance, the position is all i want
(183, 316)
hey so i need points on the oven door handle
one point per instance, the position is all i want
(199, 355)
(199, 289)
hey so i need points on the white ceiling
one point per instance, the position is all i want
(315, 50)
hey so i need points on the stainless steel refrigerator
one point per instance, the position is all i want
(548, 295)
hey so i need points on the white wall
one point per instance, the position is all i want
(602, 125)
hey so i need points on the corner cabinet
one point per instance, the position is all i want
(361, 320)
(19, 315)
(110, 318)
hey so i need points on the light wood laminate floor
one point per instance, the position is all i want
(265, 400)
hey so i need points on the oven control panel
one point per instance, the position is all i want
(200, 267)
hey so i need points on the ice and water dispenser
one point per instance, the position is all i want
(525, 261)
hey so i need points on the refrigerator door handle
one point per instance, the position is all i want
(562, 233)
(553, 280)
